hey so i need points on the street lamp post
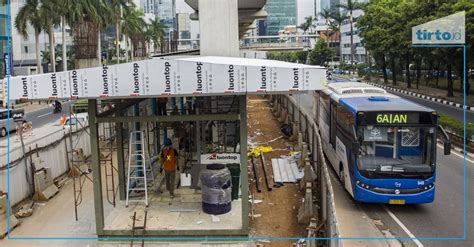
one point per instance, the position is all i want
(169, 38)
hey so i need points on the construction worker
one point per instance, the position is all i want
(169, 163)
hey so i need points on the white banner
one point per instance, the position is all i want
(227, 79)
(166, 77)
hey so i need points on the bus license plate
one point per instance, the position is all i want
(400, 202)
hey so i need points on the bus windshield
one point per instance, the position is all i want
(396, 151)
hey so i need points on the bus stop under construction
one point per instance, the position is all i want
(197, 102)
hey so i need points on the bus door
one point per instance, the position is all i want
(332, 125)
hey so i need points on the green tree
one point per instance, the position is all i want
(468, 6)
(133, 25)
(321, 54)
(350, 6)
(30, 13)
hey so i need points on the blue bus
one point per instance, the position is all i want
(382, 147)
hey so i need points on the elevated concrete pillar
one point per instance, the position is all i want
(219, 28)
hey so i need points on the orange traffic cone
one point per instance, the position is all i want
(62, 120)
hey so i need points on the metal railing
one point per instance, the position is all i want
(303, 123)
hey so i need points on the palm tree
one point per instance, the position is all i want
(133, 26)
(351, 6)
(30, 14)
(117, 8)
(50, 18)
(148, 38)
(84, 17)
(102, 19)
(157, 31)
(326, 14)
(307, 24)
(335, 24)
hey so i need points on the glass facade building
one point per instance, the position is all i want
(3, 33)
(281, 13)
(164, 9)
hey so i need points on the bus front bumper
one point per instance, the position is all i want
(365, 195)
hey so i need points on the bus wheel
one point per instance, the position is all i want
(341, 174)
(3, 132)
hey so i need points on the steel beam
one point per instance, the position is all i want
(95, 159)
(172, 118)
(243, 162)
(120, 106)
(120, 160)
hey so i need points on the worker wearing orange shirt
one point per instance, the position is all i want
(169, 161)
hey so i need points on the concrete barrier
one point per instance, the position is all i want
(47, 150)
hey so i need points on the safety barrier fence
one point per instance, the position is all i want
(303, 124)
(49, 150)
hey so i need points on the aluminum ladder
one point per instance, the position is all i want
(140, 171)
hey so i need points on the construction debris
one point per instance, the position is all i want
(267, 182)
(183, 210)
(255, 152)
(255, 201)
(285, 170)
(25, 211)
(215, 218)
(4, 217)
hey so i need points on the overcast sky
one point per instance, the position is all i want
(305, 8)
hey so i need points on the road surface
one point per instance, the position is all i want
(441, 219)
(45, 116)
(452, 111)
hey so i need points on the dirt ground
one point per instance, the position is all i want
(279, 207)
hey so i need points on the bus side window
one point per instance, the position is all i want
(332, 128)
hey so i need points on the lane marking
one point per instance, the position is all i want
(44, 115)
(459, 155)
(417, 242)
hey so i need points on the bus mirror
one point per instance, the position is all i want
(355, 148)
(447, 147)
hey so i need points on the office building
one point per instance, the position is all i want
(320, 5)
(3, 31)
(281, 13)
(164, 9)
(262, 27)
(184, 25)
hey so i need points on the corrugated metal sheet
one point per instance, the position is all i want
(286, 171)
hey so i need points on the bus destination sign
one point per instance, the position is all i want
(396, 118)
(391, 118)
